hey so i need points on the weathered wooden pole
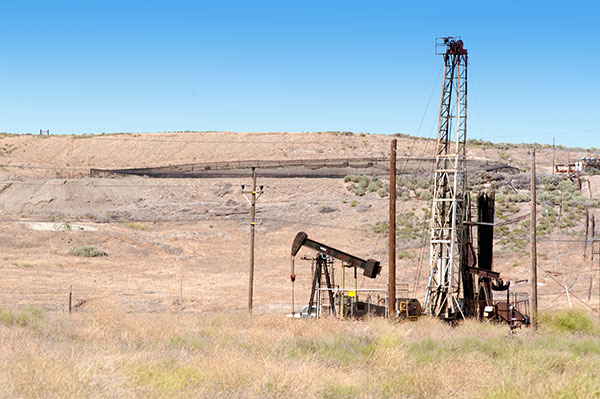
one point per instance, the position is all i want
(252, 233)
(587, 229)
(533, 274)
(392, 234)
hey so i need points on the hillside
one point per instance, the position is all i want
(163, 235)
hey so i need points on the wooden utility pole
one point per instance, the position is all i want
(252, 201)
(553, 156)
(392, 234)
(587, 228)
(593, 252)
(533, 275)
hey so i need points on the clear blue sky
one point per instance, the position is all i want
(128, 66)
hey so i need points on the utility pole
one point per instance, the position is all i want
(252, 201)
(392, 234)
(553, 156)
(593, 252)
(533, 275)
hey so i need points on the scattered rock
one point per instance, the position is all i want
(169, 248)
(327, 209)
(363, 208)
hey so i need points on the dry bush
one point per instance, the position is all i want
(89, 252)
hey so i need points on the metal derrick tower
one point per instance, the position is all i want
(449, 192)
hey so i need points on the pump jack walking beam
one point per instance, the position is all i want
(371, 268)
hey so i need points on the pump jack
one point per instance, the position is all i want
(371, 267)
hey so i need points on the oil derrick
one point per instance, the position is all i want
(447, 245)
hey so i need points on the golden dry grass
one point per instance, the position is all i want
(105, 353)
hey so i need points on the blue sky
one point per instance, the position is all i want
(127, 66)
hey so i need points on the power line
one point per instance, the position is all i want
(559, 133)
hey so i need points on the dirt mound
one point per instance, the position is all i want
(66, 197)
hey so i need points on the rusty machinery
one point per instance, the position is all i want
(448, 205)
(479, 280)
(371, 268)
(407, 308)
(461, 282)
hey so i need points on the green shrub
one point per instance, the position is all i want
(593, 172)
(567, 186)
(518, 198)
(381, 227)
(404, 254)
(423, 183)
(550, 183)
(573, 321)
(423, 194)
(374, 186)
(136, 226)
(89, 252)
(28, 316)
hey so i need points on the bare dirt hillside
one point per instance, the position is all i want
(166, 236)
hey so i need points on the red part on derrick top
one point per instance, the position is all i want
(456, 47)
(450, 45)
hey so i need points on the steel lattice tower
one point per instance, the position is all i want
(448, 208)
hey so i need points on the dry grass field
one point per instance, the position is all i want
(107, 353)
